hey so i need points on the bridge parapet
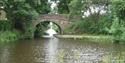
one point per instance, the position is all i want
(54, 17)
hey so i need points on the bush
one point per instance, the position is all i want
(5, 25)
(118, 30)
(89, 26)
(7, 36)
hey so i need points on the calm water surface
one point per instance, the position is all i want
(61, 51)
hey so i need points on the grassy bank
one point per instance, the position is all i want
(92, 38)
(7, 36)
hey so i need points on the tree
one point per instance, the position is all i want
(22, 12)
(75, 7)
(63, 6)
(41, 6)
(92, 15)
(91, 7)
(118, 25)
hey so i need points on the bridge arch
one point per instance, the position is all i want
(58, 28)
(61, 20)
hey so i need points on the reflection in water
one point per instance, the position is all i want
(51, 50)
(115, 55)
(55, 50)
(5, 55)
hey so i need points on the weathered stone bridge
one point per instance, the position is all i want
(60, 20)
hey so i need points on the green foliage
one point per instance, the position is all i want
(113, 22)
(63, 7)
(78, 7)
(22, 12)
(75, 7)
(118, 8)
(8, 36)
(41, 6)
(87, 25)
(117, 29)
(5, 25)
(95, 23)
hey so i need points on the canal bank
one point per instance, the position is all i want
(91, 38)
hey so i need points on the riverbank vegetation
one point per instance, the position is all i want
(7, 33)
(105, 17)
(96, 17)
(7, 36)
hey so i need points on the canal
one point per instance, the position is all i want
(61, 51)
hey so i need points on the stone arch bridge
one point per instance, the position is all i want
(61, 20)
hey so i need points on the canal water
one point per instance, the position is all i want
(61, 51)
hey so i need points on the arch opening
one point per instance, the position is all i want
(42, 27)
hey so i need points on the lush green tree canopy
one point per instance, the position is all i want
(12, 6)
(117, 29)
(78, 7)
(22, 12)
(91, 14)
(63, 6)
